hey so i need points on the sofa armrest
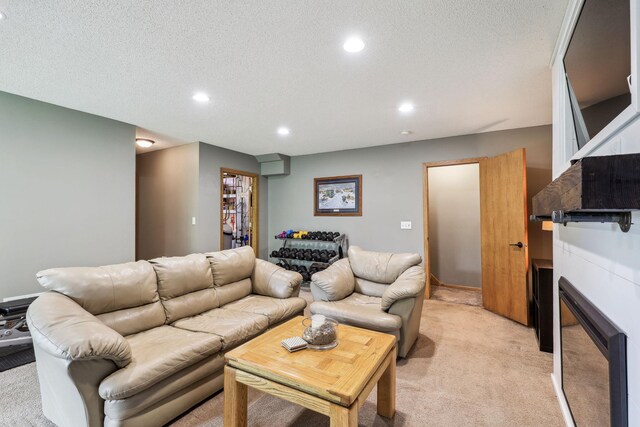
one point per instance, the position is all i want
(270, 280)
(63, 329)
(409, 284)
(334, 283)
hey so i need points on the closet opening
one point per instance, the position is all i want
(238, 209)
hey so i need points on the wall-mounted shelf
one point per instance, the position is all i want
(594, 189)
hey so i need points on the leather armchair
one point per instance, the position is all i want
(373, 290)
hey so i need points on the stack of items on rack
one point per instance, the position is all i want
(303, 270)
(319, 255)
(327, 236)
(299, 248)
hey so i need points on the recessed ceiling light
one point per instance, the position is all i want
(283, 131)
(405, 132)
(2, 16)
(407, 107)
(353, 45)
(201, 97)
(144, 142)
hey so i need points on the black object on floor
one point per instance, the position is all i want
(15, 356)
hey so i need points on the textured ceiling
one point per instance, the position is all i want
(469, 66)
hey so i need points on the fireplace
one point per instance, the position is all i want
(594, 367)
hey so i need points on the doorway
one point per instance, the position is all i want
(454, 233)
(238, 209)
(503, 232)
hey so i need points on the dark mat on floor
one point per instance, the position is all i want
(13, 357)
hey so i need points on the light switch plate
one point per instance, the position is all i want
(405, 225)
(193, 220)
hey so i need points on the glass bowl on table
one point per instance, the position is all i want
(320, 333)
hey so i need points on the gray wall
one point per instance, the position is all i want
(540, 242)
(392, 185)
(167, 200)
(179, 183)
(454, 224)
(67, 187)
(213, 158)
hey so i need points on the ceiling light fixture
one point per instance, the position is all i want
(407, 107)
(283, 131)
(353, 45)
(405, 132)
(201, 97)
(144, 142)
(2, 16)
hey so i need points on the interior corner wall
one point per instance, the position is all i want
(212, 159)
(180, 183)
(392, 186)
(67, 181)
(454, 224)
(167, 185)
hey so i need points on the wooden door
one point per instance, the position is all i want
(503, 224)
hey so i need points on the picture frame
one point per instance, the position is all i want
(338, 196)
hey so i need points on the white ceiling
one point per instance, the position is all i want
(469, 66)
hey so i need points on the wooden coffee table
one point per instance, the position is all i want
(334, 382)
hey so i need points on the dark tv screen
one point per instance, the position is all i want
(597, 64)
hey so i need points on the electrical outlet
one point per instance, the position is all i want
(405, 225)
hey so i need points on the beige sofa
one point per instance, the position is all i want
(137, 344)
(373, 290)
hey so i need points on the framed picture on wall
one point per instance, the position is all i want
(338, 196)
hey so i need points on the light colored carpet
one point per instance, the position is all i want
(469, 367)
(456, 295)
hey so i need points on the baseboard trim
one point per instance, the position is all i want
(434, 281)
(564, 407)
(462, 287)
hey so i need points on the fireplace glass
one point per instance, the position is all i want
(585, 374)
(594, 368)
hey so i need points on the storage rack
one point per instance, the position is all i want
(339, 244)
(237, 208)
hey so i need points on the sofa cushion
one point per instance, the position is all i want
(380, 267)
(359, 310)
(157, 354)
(233, 291)
(135, 319)
(231, 265)
(123, 296)
(104, 289)
(234, 327)
(363, 300)
(274, 308)
(185, 285)
(367, 287)
(180, 275)
(122, 409)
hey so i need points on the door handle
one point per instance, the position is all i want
(519, 244)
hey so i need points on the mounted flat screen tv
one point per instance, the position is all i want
(597, 64)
